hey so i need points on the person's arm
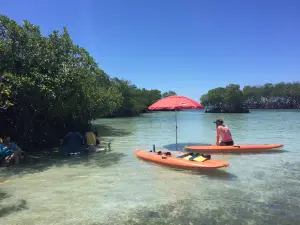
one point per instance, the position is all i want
(218, 137)
(15, 148)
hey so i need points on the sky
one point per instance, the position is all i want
(188, 46)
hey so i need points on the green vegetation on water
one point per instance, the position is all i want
(50, 86)
(232, 99)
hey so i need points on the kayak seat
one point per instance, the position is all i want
(184, 155)
(200, 158)
(167, 153)
(187, 157)
(194, 156)
(207, 156)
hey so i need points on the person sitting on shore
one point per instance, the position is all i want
(90, 138)
(224, 132)
(9, 147)
(97, 138)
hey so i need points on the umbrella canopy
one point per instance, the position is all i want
(175, 103)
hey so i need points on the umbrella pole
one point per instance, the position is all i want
(176, 128)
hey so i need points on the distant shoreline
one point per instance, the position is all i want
(204, 110)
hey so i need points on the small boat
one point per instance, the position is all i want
(233, 148)
(186, 161)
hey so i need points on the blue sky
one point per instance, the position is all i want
(188, 46)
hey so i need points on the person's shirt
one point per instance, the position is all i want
(11, 146)
(8, 149)
(225, 133)
(90, 138)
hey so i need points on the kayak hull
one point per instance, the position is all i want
(178, 162)
(234, 148)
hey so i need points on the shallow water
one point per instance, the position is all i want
(117, 188)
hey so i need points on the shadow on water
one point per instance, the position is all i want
(180, 146)
(99, 159)
(217, 174)
(6, 210)
(108, 131)
(224, 212)
(232, 206)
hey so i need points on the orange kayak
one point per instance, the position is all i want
(187, 161)
(233, 149)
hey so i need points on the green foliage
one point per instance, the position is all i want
(133, 100)
(5, 97)
(278, 90)
(280, 95)
(230, 95)
(213, 96)
(233, 95)
(168, 93)
(53, 86)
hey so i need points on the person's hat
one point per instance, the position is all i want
(219, 121)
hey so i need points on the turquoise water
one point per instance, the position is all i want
(117, 188)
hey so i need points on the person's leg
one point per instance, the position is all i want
(229, 143)
(92, 148)
(17, 156)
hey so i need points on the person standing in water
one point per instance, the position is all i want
(97, 138)
(90, 138)
(223, 132)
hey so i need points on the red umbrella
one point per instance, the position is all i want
(175, 103)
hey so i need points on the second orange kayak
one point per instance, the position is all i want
(233, 149)
(187, 161)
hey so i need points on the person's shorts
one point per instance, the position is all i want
(228, 143)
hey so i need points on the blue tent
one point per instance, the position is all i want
(73, 142)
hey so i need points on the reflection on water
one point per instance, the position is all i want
(117, 188)
(226, 210)
(220, 174)
(9, 209)
(108, 131)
